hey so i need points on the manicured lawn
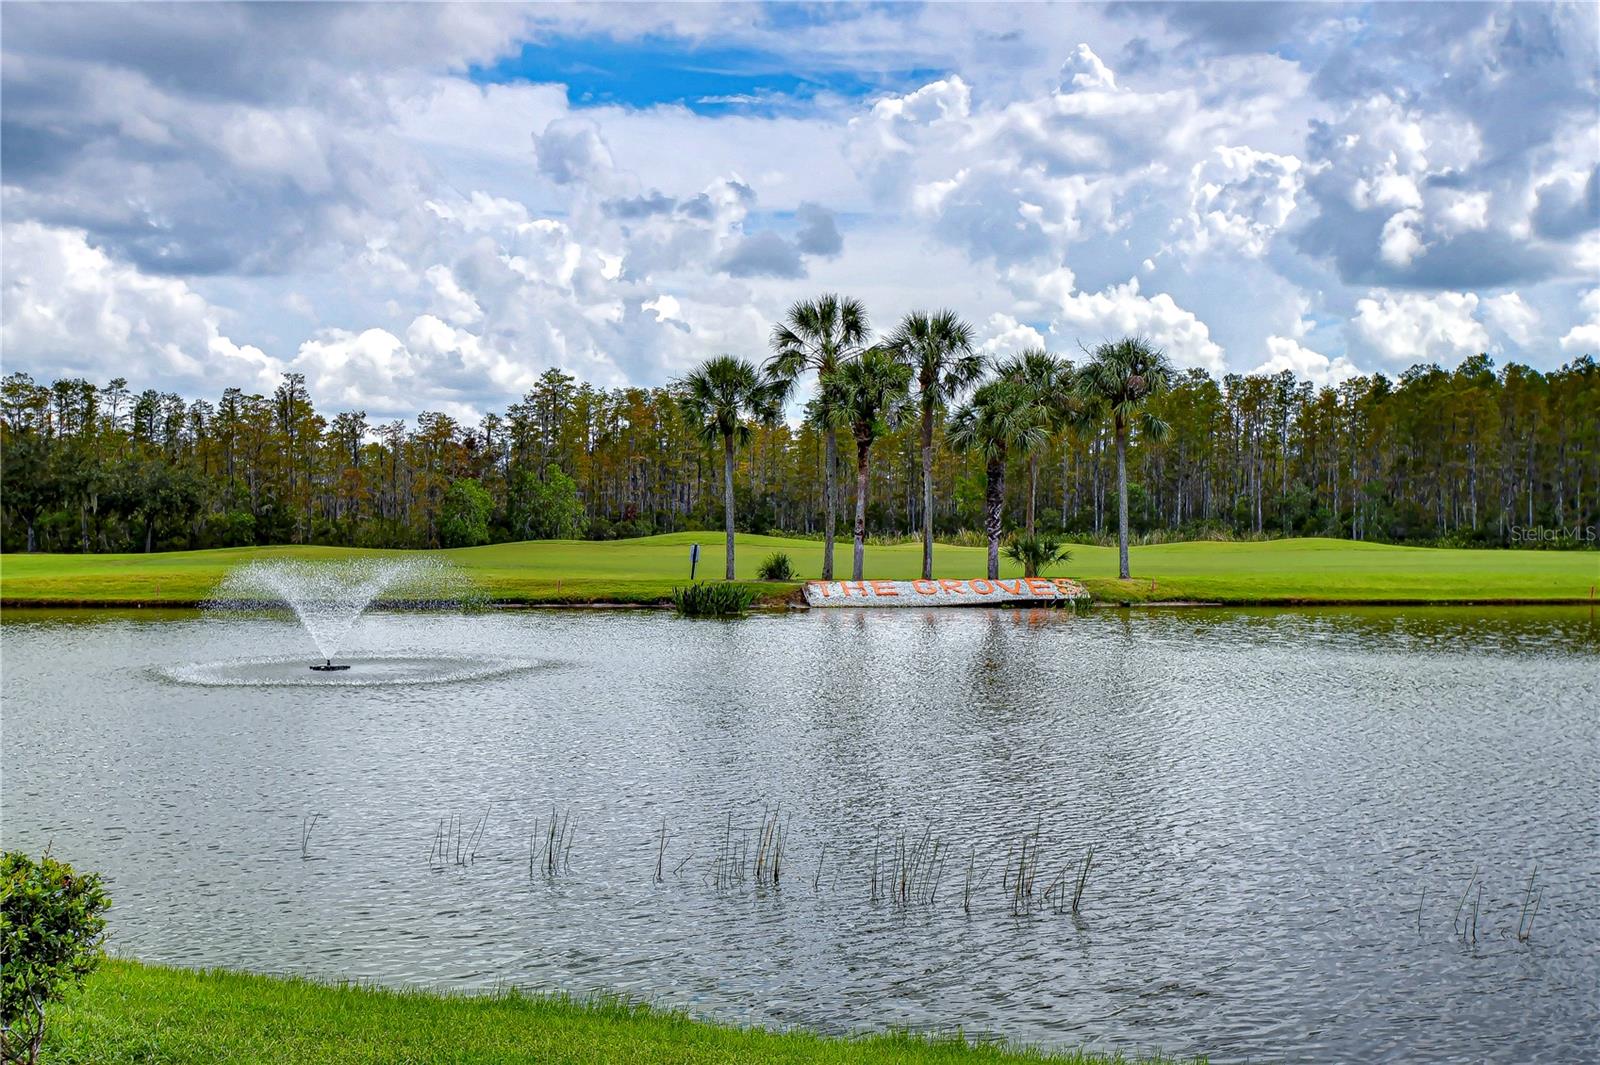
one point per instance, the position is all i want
(645, 570)
(141, 1013)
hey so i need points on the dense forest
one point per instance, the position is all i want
(1469, 456)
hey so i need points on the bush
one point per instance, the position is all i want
(712, 600)
(53, 935)
(464, 514)
(777, 567)
(1037, 553)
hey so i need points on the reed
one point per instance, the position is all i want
(308, 824)
(1083, 880)
(661, 850)
(769, 847)
(1455, 922)
(1021, 879)
(550, 850)
(1525, 918)
(966, 888)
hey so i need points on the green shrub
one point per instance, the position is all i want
(1035, 554)
(712, 600)
(777, 567)
(53, 935)
(464, 514)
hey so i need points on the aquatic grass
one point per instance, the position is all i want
(132, 1014)
(308, 824)
(908, 872)
(1466, 892)
(661, 851)
(718, 600)
(1525, 931)
(550, 851)
(1083, 880)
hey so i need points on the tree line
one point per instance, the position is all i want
(940, 442)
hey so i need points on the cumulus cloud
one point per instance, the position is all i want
(1003, 335)
(819, 230)
(1568, 205)
(1286, 353)
(212, 195)
(1584, 338)
(1240, 198)
(764, 255)
(1509, 315)
(1122, 310)
(571, 151)
(70, 309)
(1407, 328)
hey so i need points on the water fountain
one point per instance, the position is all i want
(326, 600)
(329, 597)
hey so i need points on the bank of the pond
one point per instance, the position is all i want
(131, 1012)
(644, 571)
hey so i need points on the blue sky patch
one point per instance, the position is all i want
(650, 71)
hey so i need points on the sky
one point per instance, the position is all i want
(424, 207)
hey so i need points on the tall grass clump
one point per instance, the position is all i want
(777, 567)
(712, 600)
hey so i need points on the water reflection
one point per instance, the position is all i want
(1269, 794)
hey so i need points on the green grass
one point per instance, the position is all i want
(645, 571)
(135, 1013)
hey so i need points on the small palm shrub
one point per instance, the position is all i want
(719, 600)
(1035, 554)
(52, 927)
(777, 567)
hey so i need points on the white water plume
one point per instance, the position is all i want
(329, 597)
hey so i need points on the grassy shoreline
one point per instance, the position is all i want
(643, 572)
(133, 1012)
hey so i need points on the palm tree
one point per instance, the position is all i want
(716, 399)
(1122, 377)
(868, 396)
(1001, 417)
(1049, 378)
(1035, 554)
(938, 347)
(822, 335)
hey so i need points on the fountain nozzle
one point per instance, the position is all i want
(328, 666)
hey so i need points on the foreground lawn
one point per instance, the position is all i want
(143, 1013)
(645, 570)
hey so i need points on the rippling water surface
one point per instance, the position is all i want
(1285, 808)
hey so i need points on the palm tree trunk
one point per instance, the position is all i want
(1033, 486)
(831, 493)
(927, 492)
(994, 501)
(863, 467)
(1122, 502)
(727, 497)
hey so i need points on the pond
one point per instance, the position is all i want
(1294, 815)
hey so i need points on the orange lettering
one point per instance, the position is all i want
(822, 588)
(985, 590)
(1063, 586)
(953, 587)
(1015, 589)
(924, 587)
(1040, 586)
(885, 588)
(861, 587)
